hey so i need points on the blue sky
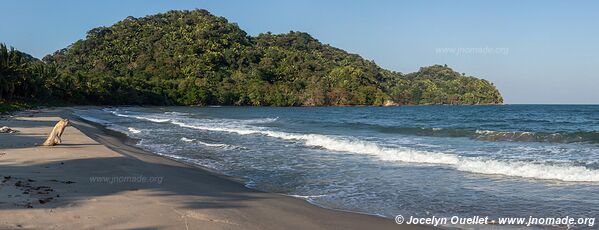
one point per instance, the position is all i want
(534, 51)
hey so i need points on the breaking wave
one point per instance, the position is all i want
(535, 170)
(491, 135)
(170, 116)
(467, 164)
(134, 130)
(558, 137)
(185, 139)
(214, 145)
(217, 145)
(140, 117)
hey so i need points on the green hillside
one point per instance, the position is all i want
(196, 58)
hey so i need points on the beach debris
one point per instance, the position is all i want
(6, 129)
(26, 192)
(54, 137)
(64, 182)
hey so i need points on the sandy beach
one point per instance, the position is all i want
(97, 179)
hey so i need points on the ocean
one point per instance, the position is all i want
(421, 161)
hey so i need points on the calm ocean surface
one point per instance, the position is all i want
(497, 161)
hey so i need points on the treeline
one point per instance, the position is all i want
(195, 58)
(23, 78)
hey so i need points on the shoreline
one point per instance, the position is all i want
(131, 142)
(198, 196)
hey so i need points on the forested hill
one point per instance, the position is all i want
(196, 58)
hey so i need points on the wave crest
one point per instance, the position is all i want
(542, 170)
(467, 164)
(496, 135)
(133, 130)
(140, 117)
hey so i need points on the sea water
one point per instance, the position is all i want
(421, 161)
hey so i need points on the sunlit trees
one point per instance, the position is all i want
(195, 58)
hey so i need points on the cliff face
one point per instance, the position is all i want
(196, 58)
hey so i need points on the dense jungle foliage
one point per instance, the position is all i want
(196, 58)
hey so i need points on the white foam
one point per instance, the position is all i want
(214, 145)
(107, 124)
(187, 139)
(262, 120)
(485, 132)
(306, 197)
(547, 171)
(134, 130)
(170, 116)
(341, 144)
(226, 146)
(147, 118)
(530, 170)
(175, 113)
(467, 164)
(504, 133)
(363, 147)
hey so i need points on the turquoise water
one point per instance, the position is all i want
(497, 161)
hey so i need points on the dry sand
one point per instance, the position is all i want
(50, 187)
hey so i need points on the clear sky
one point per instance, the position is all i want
(536, 51)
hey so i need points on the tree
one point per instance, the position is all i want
(196, 58)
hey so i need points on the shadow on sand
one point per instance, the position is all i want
(93, 177)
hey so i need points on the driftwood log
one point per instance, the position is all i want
(54, 137)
